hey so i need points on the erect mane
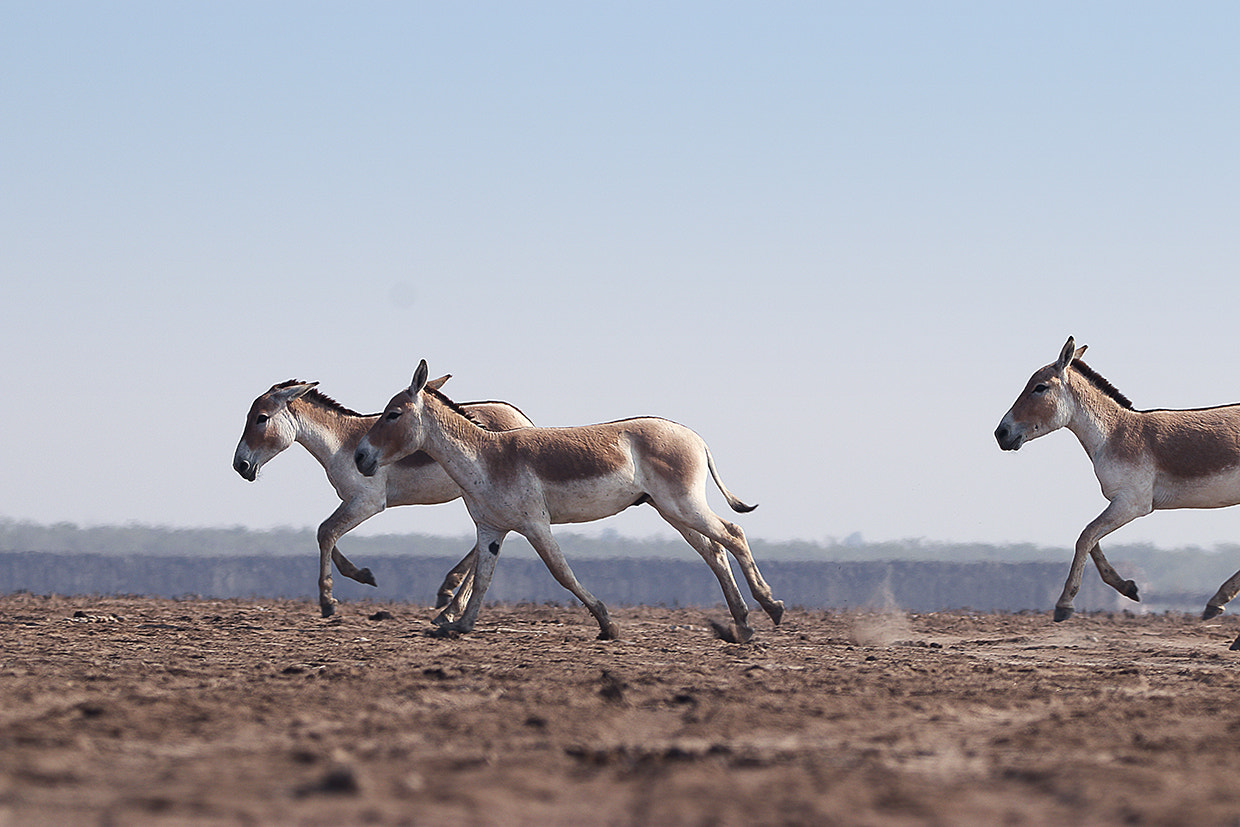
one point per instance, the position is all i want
(1094, 378)
(320, 398)
(453, 405)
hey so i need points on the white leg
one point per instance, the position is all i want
(455, 606)
(344, 519)
(1118, 513)
(487, 548)
(714, 556)
(695, 514)
(1229, 589)
(459, 574)
(1111, 577)
(544, 543)
(351, 571)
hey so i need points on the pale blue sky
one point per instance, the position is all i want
(835, 239)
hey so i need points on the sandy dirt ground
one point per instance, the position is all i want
(136, 712)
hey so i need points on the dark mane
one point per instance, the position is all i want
(454, 406)
(1102, 384)
(314, 395)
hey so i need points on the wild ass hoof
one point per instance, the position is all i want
(1235, 645)
(609, 632)
(328, 609)
(1130, 591)
(1062, 613)
(443, 618)
(776, 611)
(1211, 611)
(442, 599)
(451, 630)
(731, 634)
(365, 577)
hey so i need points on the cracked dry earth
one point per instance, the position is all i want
(138, 712)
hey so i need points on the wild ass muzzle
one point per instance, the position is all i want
(527, 480)
(1144, 460)
(294, 411)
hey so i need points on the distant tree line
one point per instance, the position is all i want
(912, 575)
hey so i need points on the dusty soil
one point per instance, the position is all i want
(136, 711)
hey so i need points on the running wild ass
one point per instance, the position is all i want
(527, 480)
(1145, 460)
(295, 412)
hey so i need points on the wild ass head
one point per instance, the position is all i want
(1045, 405)
(400, 430)
(269, 427)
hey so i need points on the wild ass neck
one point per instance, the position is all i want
(453, 440)
(325, 432)
(1096, 413)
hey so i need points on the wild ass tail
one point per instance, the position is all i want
(732, 499)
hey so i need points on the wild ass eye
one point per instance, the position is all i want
(1040, 388)
(392, 416)
(260, 419)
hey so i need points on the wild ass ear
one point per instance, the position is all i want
(419, 378)
(1066, 355)
(436, 384)
(292, 392)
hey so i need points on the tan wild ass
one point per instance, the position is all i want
(1145, 460)
(527, 480)
(295, 412)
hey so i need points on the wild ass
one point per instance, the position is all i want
(294, 411)
(527, 480)
(1145, 460)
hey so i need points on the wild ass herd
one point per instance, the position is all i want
(513, 476)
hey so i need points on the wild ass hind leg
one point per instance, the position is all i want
(715, 557)
(1224, 595)
(348, 516)
(1120, 512)
(1111, 577)
(548, 549)
(693, 513)
(460, 572)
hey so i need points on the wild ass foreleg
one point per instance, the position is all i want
(1111, 577)
(487, 553)
(344, 519)
(544, 543)
(351, 571)
(1214, 607)
(714, 556)
(1118, 513)
(460, 572)
(456, 604)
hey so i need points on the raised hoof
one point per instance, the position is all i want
(1130, 591)
(1210, 612)
(1235, 645)
(776, 611)
(365, 577)
(1062, 614)
(328, 609)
